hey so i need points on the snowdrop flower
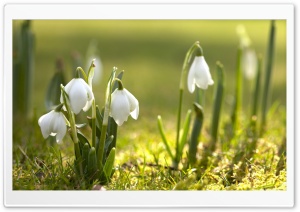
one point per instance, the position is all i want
(249, 63)
(80, 95)
(199, 74)
(245, 40)
(54, 124)
(123, 104)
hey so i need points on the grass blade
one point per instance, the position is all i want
(163, 136)
(186, 128)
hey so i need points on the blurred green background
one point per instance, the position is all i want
(152, 52)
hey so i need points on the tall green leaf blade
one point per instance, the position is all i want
(54, 91)
(268, 74)
(92, 164)
(186, 128)
(163, 136)
(218, 99)
(109, 164)
(197, 126)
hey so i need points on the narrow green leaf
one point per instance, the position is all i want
(99, 117)
(91, 73)
(197, 126)
(268, 74)
(98, 130)
(53, 90)
(186, 128)
(256, 92)
(82, 139)
(163, 136)
(109, 164)
(107, 146)
(85, 156)
(218, 99)
(83, 74)
(92, 164)
(238, 89)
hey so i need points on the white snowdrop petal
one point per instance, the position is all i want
(67, 89)
(80, 93)
(77, 96)
(191, 78)
(120, 108)
(87, 106)
(135, 114)
(88, 90)
(133, 102)
(54, 124)
(200, 74)
(134, 105)
(44, 123)
(61, 128)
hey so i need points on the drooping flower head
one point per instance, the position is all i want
(80, 95)
(123, 104)
(54, 124)
(199, 74)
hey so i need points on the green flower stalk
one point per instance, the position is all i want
(71, 115)
(195, 49)
(199, 76)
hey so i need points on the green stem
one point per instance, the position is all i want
(73, 130)
(195, 49)
(100, 151)
(94, 124)
(178, 124)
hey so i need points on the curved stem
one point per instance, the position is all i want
(94, 124)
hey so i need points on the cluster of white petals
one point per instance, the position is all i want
(199, 74)
(80, 95)
(123, 104)
(54, 124)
